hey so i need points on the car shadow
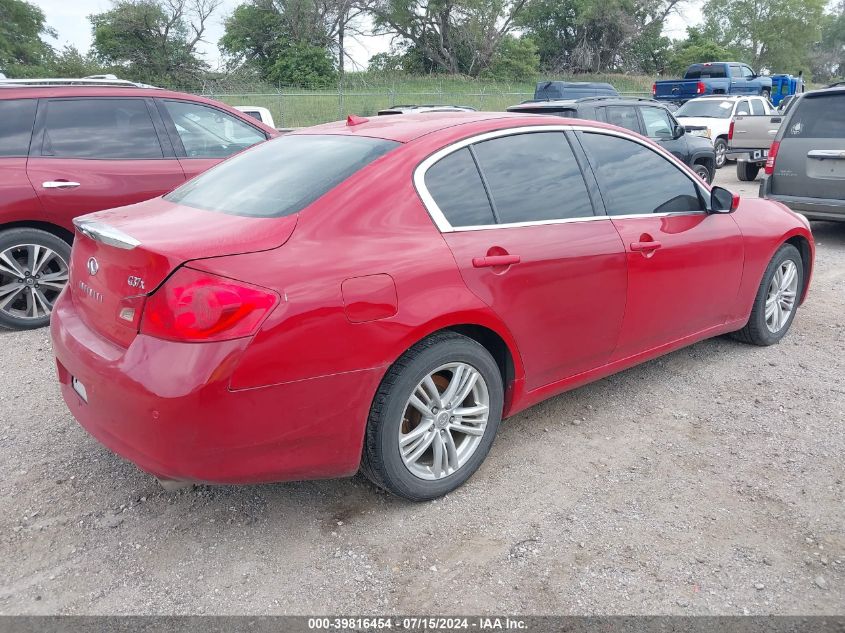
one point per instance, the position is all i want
(829, 233)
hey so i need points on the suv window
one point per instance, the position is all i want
(455, 185)
(99, 128)
(533, 177)
(757, 107)
(747, 72)
(207, 132)
(743, 108)
(280, 177)
(619, 165)
(16, 118)
(623, 116)
(818, 117)
(735, 71)
(657, 122)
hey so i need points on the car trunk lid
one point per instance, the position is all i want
(124, 254)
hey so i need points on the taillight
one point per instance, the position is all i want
(700, 88)
(731, 131)
(654, 89)
(194, 306)
(770, 159)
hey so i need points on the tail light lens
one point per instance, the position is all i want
(654, 89)
(731, 131)
(770, 159)
(700, 88)
(194, 306)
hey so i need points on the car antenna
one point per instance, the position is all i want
(354, 119)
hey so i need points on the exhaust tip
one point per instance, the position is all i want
(173, 484)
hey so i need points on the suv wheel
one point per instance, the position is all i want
(747, 171)
(433, 418)
(702, 172)
(721, 147)
(33, 271)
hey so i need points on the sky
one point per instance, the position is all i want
(70, 20)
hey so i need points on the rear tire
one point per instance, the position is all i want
(401, 451)
(746, 171)
(775, 291)
(33, 271)
(720, 145)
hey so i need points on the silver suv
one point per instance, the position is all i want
(806, 163)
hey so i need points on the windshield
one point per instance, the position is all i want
(708, 108)
(280, 177)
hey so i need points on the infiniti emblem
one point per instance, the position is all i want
(93, 266)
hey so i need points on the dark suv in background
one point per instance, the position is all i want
(644, 116)
(805, 169)
(72, 146)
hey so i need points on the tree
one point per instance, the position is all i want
(285, 35)
(599, 35)
(774, 35)
(455, 36)
(22, 49)
(699, 46)
(515, 60)
(827, 56)
(154, 41)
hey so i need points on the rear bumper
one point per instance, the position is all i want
(167, 407)
(813, 208)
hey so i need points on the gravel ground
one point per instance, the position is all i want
(709, 481)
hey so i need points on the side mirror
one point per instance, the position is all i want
(678, 131)
(723, 201)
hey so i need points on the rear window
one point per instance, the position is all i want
(818, 117)
(565, 112)
(280, 177)
(16, 118)
(700, 71)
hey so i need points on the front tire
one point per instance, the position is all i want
(434, 418)
(703, 172)
(720, 145)
(777, 299)
(746, 171)
(33, 271)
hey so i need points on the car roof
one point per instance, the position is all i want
(409, 127)
(557, 103)
(829, 90)
(22, 91)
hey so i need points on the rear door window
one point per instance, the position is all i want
(533, 177)
(702, 71)
(742, 108)
(16, 119)
(456, 186)
(623, 116)
(818, 117)
(280, 177)
(620, 165)
(99, 128)
(757, 107)
(207, 132)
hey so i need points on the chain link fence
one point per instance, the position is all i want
(365, 95)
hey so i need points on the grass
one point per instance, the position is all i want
(365, 94)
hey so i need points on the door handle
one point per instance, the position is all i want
(645, 247)
(59, 184)
(494, 260)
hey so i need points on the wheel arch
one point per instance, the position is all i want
(54, 229)
(803, 245)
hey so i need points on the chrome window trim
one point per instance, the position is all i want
(443, 224)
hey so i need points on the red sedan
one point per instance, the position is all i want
(378, 295)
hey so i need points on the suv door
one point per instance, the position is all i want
(17, 197)
(94, 153)
(659, 126)
(203, 135)
(810, 157)
(738, 83)
(684, 265)
(517, 214)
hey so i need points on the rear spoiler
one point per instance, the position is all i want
(105, 234)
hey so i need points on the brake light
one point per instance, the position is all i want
(770, 159)
(731, 131)
(700, 88)
(194, 306)
(654, 89)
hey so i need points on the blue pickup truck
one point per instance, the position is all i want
(713, 78)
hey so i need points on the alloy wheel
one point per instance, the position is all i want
(444, 420)
(31, 278)
(780, 300)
